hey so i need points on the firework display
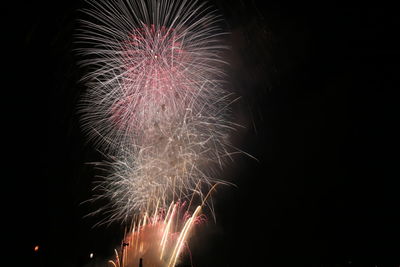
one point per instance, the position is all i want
(156, 105)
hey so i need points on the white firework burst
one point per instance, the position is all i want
(180, 160)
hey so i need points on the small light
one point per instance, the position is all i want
(36, 248)
(91, 255)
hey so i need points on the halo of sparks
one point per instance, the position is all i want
(156, 105)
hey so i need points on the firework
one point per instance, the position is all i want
(158, 239)
(149, 62)
(156, 106)
(155, 100)
(177, 166)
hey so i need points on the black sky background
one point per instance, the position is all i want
(318, 85)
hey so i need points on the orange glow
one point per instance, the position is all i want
(159, 239)
(36, 248)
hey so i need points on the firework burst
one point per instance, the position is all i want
(148, 61)
(178, 162)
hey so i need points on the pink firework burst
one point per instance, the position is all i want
(149, 62)
(156, 75)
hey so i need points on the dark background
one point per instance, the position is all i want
(318, 86)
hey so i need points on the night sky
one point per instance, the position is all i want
(318, 86)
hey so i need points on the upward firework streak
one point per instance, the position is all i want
(158, 239)
(155, 103)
